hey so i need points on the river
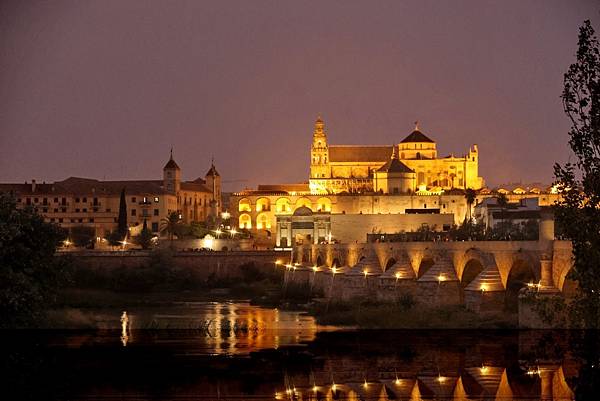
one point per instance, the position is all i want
(234, 351)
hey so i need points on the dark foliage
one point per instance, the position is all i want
(578, 212)
(30, 275)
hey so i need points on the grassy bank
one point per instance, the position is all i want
(367, 315)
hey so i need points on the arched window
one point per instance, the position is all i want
(244, 205)
(263, 222)
(283, 206)
(245, 221)
(303, 202)
(263, 205)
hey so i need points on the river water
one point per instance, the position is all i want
(234, 351)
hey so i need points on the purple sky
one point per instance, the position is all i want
(103, 89)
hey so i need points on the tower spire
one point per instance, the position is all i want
(171, 156)
(394, 154)
(417, 125)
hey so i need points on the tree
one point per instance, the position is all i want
(578, 210)
(83, 236)
(114, 238)
(170, 225)
(502, 202)
(470, 196)
(145, 238)
(30, 274)
(122, 228)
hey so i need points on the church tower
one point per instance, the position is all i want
(172, 176)
(319, 152)
(213, 182)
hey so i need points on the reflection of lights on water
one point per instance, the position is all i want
(533, 372)
(124, 328)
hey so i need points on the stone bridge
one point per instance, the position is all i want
(483, 275)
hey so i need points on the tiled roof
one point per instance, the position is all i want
(88, 186)
(171, 164)
(212, 171)
(193, 186)
(416, 136)
(359, 153)
(395, 166)
(302, 187)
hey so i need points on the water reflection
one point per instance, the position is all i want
(230, 363)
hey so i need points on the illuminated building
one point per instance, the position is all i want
(94, 203)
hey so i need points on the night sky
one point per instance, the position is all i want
(103, 89)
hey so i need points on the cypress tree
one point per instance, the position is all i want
(122, 221)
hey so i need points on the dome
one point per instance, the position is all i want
(303, 211)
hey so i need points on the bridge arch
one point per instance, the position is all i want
(522, 272)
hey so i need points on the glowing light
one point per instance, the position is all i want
(533, 372)
(334, 270)
(483, 369)
(124, 328)
(315, 269)
(441, 379)
(397, 381)
(483, 288)
(233, 232)
(397, 275)
(365, 384)
(218, 231)
(208, 242)
(365, 272)
(315, 389)
(441, 277)
(67, 242)
(333, 387)
(278, 262)
(225, 215)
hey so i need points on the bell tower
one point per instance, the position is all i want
(319, 152)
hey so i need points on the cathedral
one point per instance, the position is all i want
(410, 166)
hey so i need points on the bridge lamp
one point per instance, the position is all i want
(365, 384)
(397, 275)
(366, 272)
(483, 288)
(277, 262)
(315, 269)
(441, 278)
(334, 270)
(233, 232)
(315, 389)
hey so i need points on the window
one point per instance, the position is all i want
(155, 227)
(95, 201)
(84, 210)
(156, 212)
(108, 210)
(84, 200)
(133, 212)
(19, 200)
(55, 200)
(81, 220)
(52, 220)
(63, 209)
(91, 220)
(156, 199)
(133, 198)
(56, 210)
(60, 219)
(76, 200)
(76, 210)
(35, 200)
(95, 209)
(64, 201)
(45, 201)
(45, 210)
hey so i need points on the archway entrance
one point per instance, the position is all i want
(520, 274)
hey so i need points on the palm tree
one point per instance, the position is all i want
(170, 225)
(470, 196)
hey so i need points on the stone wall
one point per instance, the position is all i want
(221, 264)
(347, 228)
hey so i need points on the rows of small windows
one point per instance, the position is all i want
(63, 201)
